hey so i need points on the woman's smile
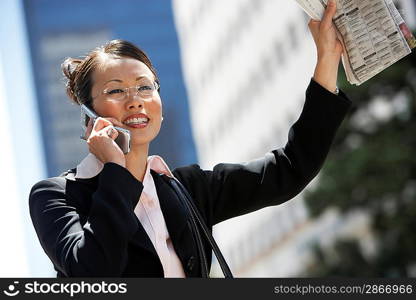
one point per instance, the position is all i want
(137, 121)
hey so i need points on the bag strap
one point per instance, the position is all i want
(195, 231)
(197, 218)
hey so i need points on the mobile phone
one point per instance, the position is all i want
(123, 138)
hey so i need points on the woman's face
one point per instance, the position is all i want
(141, 115)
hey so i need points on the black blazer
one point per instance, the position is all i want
(87, 227)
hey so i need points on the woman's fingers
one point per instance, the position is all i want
(112, 133)
(100, 123)
(326, 22)
(108, 131)
(101, 142)
(329, 48)
(329, 14)
(103, 127)
(324, 32)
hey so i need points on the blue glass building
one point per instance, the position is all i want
(70, 28)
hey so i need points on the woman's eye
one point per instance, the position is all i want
(145, 88)
(115, 91)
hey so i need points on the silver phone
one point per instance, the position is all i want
(123, 138)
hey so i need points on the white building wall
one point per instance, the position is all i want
(21, 154)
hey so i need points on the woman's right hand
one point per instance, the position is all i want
(101, 142)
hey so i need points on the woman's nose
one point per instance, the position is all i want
(134, 100)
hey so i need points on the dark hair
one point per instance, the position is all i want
(79, 71)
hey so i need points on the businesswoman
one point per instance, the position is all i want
(118, 215)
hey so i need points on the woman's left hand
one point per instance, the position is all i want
(329, 48)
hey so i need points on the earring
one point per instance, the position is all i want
(162, 119)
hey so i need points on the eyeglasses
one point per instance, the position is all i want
(144, 90)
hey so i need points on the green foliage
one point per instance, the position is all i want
(372, 168)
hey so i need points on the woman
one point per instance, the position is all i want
(115, 215)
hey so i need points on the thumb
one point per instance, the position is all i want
(329, 14)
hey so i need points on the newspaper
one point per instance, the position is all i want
(373, 34)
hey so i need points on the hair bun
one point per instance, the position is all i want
(69, 69)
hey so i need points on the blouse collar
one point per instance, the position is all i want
(91, 166)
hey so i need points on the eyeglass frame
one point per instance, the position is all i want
(156, 86)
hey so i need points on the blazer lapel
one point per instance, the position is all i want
(177, 223)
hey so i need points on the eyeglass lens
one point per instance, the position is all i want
(144, 89)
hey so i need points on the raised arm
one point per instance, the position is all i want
(230, 190)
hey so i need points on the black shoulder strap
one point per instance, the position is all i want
(197, 220)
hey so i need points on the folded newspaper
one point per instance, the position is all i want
(373, 34)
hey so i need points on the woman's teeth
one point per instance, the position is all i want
(133, 121)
